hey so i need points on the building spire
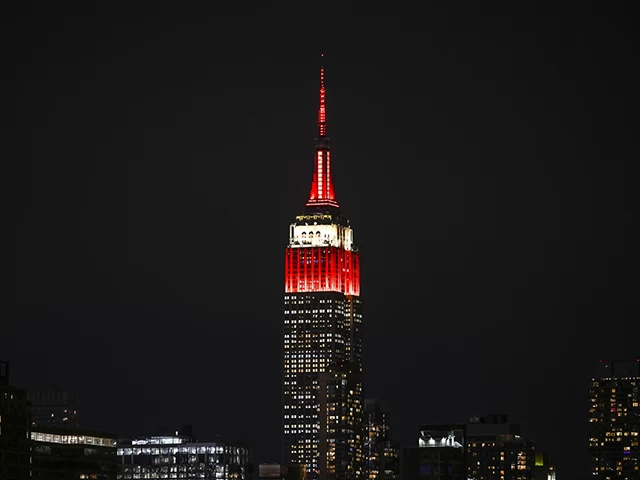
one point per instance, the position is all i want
(322, 111)
(322, 193)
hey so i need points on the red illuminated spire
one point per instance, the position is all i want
(322, 111)
(322, 193)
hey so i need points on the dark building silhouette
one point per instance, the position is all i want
(177, 455)
(4, 373)
(440, 454)
(15, 421)
(54, 408)
(543, 470)
(496, 449)
(614, 420)
(277, 471)
(66, 453)
(381, 454)
(322, 385)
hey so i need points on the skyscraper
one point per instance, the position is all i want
(381, 454)
(614, 420)
(322, 386)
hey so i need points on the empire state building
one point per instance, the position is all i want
(322, 384)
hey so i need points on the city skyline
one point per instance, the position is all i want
(484, 160)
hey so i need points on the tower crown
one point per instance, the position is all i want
(322, 192)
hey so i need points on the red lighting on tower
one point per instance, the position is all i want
(322, 192)
(315, 263)
(322, 269)
(322, 331)
(322, 111)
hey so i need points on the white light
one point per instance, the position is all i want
(321, 235)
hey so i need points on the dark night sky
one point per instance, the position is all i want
(154, 158)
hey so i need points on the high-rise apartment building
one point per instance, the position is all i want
(381, 454)
(497, 450)
(543, 470)
(322, 391)
(614, 421)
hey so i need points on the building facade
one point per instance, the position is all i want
(486, 448)
(277, 471)
(179, 456)
(614, 421)
(15, 421)
(54, 408)
(543, 470)
(381, 454)
(65, 453)
(497, 450)
(440, 454)
(322, 385)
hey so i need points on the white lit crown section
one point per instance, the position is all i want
(314, 235)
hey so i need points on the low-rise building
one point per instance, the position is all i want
(440, 454)
(63, 453)
(181, 456)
